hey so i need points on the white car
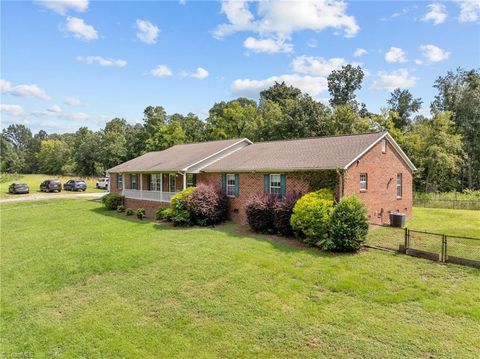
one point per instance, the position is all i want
(102, 183)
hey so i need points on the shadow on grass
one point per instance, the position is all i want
(232, 230)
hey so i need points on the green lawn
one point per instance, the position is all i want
(78, 281)
(34, 180)
(452, 222)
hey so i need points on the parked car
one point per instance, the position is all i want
(102, 183)
(75, 185)
(17, 188)
(51, 186)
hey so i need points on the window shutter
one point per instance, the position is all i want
(224, 183)
(237, 185)
(283, 185)
(117, 176)
(130, 181)
(149, 180)
(266, 184)
(194, 179)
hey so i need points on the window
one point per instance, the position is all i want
(399, 185)
(119, 181)
(230, 189)
(172, 182)
(275, 184)
(133, 181)
(156, 182)
(384, 146)
(363, 181)
(191, 179)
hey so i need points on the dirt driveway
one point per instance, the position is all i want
(36, 197)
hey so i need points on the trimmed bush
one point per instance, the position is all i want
(180, 205)
(140, 213)
(121, 208)
(311, 216)
(282, 212)
(259, 210)
(129, 212)
(208, 206)
(112, 200)
(159, 213)
(348, 226)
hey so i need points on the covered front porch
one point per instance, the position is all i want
(159, 187)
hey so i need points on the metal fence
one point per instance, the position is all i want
(434, 246)
(447, 203)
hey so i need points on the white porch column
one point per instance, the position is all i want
(141, 185)
(184, 180)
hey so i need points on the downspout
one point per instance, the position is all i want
(340, 183)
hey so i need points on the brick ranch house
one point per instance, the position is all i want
(371, 166)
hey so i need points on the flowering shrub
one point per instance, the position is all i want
(282, 212)
(208, 206)
(259, 210)
(311, 215)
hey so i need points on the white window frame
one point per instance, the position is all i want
(230, 188)
(119, 181)
(399, 186)
(156, 182)
(170, 176)
(384, 145)
(277, 190)
(363, 182)
(132, 182)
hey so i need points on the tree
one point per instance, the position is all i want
(86, 152)
(403, 103)
(19, 136)
(346, 121)
(193, 127)
(136, 136)
(280, 93)
(11, 160)
(459, 93)
(166, 136)
(53, 156)
(114, 143)
(343, 83)
(437, 152)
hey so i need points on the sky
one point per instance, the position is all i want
(67, 64)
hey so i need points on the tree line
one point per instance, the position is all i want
(445, 146)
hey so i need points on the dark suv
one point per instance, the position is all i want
(51, 186)
(17, 188)
(75, 185)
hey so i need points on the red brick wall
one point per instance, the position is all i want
(151, 207)
(113, 183)
(251, 184)
(380, 196)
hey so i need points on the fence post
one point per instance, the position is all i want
(406, 240)
(445, 255)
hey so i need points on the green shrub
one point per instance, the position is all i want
(112, 200)
(348, 226)
(159, 213)
(121, 208)
(129, 212)
(140, 213)
(311, 215)
(181, 213)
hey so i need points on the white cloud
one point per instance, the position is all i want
(316, 66)
(102, 61)
(437, 14)
(395, 54)
(360, 52)
(270, 46)
(309, 84)
(161, 71)
(23, 90)
(280, 19)
(72, 101)
(433, 53)
(418, 62)
(56, 112)
(12, 110)
(63, 6)
(312, 43)
(146, 31)
(391, 80)
(80, 29)
(200, 73)
(469, 10)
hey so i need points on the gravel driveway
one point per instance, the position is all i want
(36, 197)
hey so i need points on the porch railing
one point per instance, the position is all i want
(148, 195)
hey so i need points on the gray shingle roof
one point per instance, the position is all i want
(174, 158)
(303, 154)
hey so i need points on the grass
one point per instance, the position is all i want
(97, 284)
(452, 222)
(34, 180)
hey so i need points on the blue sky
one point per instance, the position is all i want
(81, 63)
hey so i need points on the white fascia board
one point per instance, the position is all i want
(218, 152)
(394, 144)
